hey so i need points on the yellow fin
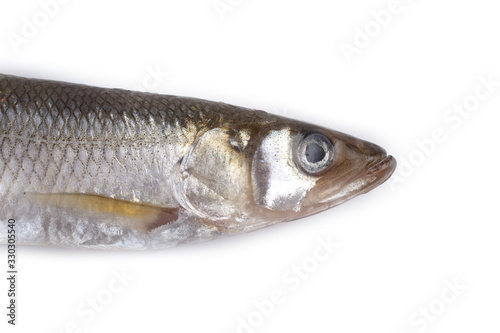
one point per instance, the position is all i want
(139, 216)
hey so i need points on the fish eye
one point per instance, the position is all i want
(315, 153)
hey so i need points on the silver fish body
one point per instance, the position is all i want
(109, 168)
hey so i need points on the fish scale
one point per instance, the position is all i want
(101, 128)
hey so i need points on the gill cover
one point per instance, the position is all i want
(214, 175)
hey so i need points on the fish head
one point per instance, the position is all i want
(302, 169)
(257, 174)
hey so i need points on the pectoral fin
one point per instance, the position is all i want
(141, 217)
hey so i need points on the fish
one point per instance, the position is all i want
(102, 168)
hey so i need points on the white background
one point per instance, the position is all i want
(398, 244)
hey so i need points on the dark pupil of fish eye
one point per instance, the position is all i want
(314, 153)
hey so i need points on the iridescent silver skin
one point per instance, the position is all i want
(107, 168)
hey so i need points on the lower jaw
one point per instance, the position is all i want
(375, 176)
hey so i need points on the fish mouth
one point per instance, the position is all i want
(386, 164)
(381, 171)
(376, 174)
